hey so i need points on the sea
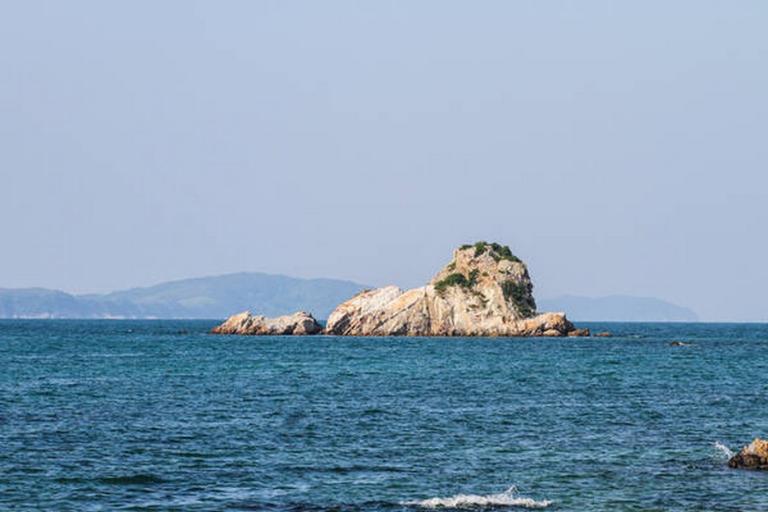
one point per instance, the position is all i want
(109, 415)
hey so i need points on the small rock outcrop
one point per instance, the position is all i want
(484, 291)
(752, 456)
(299, 323)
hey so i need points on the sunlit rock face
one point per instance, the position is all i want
(299, 323)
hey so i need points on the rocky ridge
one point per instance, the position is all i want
(300, 323)
(485, 290)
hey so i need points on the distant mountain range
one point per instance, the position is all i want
(271, 295)
(618, 308)
(205, 297)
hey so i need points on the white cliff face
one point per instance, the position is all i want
(483, 291)
(244, 323)
(384, 311)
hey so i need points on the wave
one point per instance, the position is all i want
(137, 479)
(724, 450)
(508, 498)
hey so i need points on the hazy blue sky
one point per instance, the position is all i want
(618, 147)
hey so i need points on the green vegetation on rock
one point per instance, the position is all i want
(455, 279)
(521, 297)
(503, 252)
(497, 251)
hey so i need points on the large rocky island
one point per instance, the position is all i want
(485, 290)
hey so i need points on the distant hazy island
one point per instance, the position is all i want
(619, 308)
(484, 290)
(213, 297)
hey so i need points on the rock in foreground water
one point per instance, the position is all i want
(299, 323)
(752, 456)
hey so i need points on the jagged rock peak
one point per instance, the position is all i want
(489, 268)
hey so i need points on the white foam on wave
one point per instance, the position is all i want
(508, 498)
(724, 450)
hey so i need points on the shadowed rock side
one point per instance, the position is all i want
(484, 291)
(299, 323)
(752, 456)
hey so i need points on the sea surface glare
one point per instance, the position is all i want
(160, 415)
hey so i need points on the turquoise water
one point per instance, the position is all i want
(159, 415)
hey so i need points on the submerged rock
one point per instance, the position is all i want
(604, 334)
(679, 344)
(484, 291)
(244, 323)
(752, 456)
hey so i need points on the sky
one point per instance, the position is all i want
(617, 147)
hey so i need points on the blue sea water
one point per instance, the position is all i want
(160, 415)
